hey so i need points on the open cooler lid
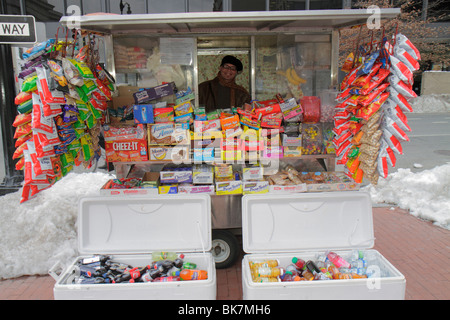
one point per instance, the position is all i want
(307, 221)
(115, 225)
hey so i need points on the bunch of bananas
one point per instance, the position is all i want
(292, 76)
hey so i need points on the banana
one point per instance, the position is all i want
(296, 77)
(290, 78)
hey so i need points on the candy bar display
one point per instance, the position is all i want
(370, 120)
(61, 106)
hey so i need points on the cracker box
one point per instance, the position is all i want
(149, 94)
(124, 144)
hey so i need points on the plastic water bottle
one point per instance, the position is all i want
(337, 260)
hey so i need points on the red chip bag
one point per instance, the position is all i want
(23, 139)
(406, 58)
(366, 112)
(392, 141)
(49, 96)
(399, 99)
(39, 121)
(402, 87)
(368, 99)
(403, 42)
(22, 130)
(20, 164)
(22, 119)
(374, 82)
(22, 97)
(401, 70)
(394, 128)
(393, 111)
(19, 151)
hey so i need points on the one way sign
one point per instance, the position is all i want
(17, 29)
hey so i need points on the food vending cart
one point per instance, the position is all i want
(290, 53)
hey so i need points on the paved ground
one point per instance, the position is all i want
(418, 249)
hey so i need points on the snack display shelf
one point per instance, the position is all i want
(327, 161)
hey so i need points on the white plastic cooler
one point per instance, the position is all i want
(304, 224)
(129, 229)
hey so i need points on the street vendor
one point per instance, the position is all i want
(222, 92)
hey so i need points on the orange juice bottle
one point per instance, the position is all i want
(193, 274)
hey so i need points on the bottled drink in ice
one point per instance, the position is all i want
(337, 260)
(178, 262)
(260, 280)
(166, 279)
(268, 272)
(164, 255)
(289, 276)
(189, 265)
(151, 274)
(193, 274)
(266, 263)
(299, 263)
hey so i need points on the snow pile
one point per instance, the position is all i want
(425, 194)
(42, 231)
(431, 103)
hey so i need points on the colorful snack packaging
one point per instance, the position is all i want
(392, 110)
(392, 141)
(21, 119)
(39, 122)
(403, 42)
(399, 99)
(394, 128)
(401, 70)
(374, 82)
(366, 112)
(402, 87)
(22, 97)
(49, 96)
(406, 58)
(365, 100)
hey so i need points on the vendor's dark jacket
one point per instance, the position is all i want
(213, 95)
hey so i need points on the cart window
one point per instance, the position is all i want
(279, 56)
(137, 61)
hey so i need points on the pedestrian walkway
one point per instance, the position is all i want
(413, 246)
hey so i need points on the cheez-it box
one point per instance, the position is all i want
(124, 144)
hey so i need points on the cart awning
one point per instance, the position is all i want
(224, 22)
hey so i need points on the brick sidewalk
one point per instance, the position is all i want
(418, 249)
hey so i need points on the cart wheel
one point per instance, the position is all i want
(225, 248)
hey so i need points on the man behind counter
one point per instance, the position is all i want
(222, 92)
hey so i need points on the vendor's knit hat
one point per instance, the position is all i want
(234, 61)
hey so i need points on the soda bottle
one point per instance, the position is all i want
(299, 263)
(293, 270)
(337, 260)
(178, 262)
(150, 275)
(289, 276)
(163, 265)
(193, 274)
(164, 255)
(166, 279)
(189, 265)
(137, 272)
